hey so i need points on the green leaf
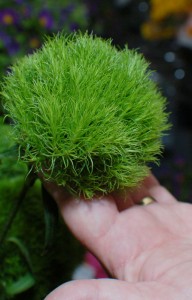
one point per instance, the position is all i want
(2, 291)
(50, 216)
(23, 251)
(21, 285)
(11, 152)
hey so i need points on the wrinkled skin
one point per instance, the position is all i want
(147, 249)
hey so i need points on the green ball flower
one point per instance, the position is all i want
(86, 115)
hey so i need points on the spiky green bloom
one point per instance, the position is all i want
(86, 115)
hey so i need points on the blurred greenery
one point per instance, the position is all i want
(26, 235)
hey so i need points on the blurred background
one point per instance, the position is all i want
(162, 31)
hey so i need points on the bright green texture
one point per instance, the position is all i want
(85, 114)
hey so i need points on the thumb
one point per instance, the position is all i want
(111, 289)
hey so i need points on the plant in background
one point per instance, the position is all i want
(24, 261)
(24, 24)
(86, 115)
(165, 20)
(175, 174)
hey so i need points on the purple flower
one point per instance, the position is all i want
(26, 10)
(19, 1)
(65, 13)
(8, 16)
(68, 10)
(74, 26)
(46, 19)
(5, 38)
(10, 44)
(13, 48)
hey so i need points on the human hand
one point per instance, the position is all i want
(147, 248)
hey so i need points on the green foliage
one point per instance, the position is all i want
(24, 282)
(50, 269)
(27, 272)
(85, 114)
(11, 170)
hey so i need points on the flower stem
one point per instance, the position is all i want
(17, 204)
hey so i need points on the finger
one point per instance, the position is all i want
(114, 238)
(57, 192)
(89, 220)
(129, 197)
(150, 181)
(149, 187)
(111, 289)
(162, 195)
(97, 224)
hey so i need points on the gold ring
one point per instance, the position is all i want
(147, 201)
